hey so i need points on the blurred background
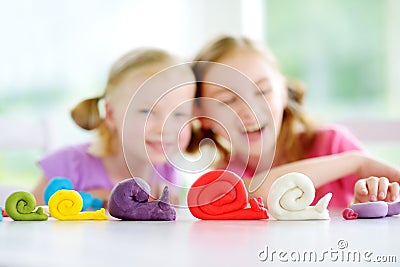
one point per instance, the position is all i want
(55, 53)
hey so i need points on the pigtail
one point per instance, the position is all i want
(290, 145)
(86, 114)
(296, 92)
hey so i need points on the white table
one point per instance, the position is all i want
(191, 242)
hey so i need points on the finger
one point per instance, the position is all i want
(372, 186)
(382, 188)
(393, 191)
(361, 191)
(160, 190)
(361, 186)
(155, 188)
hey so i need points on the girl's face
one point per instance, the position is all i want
(249, 107)
(152, 119)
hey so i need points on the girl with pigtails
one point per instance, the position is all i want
(132, 137)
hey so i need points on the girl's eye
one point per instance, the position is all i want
(265, 91)
(228, 99)
(145, 111)
(181, 114)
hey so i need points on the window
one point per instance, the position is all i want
(346, 53)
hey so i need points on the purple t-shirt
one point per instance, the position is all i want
(87, 171)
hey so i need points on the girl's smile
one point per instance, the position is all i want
(158, 147)
(254, 133)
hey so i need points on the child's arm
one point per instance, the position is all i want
(325, 169)
(38, 191)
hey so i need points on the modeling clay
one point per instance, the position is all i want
(221, 195)
(349, 214)
(377, 209)
(45, 210)
(20, 206)
(290, 197)
(59, 183)
(370, 209)
(129, 201)
(4, 213)
(87, 200)
(54, 185)
(67, 204)
(97, 204)
(393, 208)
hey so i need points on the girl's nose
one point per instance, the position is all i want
(255, 107)
(249, 112)
(154, 123)
(158, 123)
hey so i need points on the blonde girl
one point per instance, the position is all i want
(144, 120)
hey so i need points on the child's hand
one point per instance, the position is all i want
(375, 189)
(371, 166)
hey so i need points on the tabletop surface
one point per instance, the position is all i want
(192, 242)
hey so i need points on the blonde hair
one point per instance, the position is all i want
(290, 146)
(86, 113)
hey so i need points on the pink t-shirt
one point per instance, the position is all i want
(87, 171)
(328, 141)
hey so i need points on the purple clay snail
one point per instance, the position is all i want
(129, 201)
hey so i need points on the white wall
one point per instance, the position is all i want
(67, 47)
